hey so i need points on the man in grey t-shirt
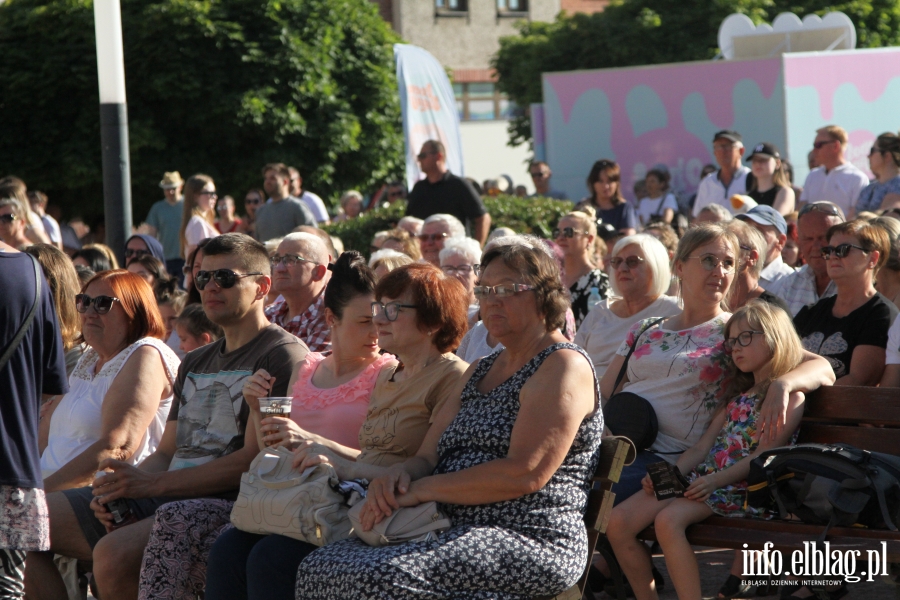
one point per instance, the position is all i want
(282, 213)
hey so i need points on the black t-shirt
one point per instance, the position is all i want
(37, 367)
(451, 195)
(835, 338)
(768, 197)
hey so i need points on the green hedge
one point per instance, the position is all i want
(522, 215)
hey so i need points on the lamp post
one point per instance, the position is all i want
(113, 124)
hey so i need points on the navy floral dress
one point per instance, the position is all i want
(516, 549)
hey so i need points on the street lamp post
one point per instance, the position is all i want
(113, 124)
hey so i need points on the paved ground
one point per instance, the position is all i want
(714, 566)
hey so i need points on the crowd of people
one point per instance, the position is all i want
(459, 363)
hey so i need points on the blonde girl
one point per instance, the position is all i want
(764, 346)
(198, 218)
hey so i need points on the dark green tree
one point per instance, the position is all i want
(214, 86)
(647, 32)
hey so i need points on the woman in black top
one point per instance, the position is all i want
(606, 198)
(770, 184)
(850, 329)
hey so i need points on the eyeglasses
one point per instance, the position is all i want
(224, 278)
(538, 175)
(841, 250)
(568, 232)
(424, 155)
(826, 207)
(632, 262)
(391, 310)
(252, 201)
(711, 261)
(431, 237)
(502, 290)
(722, 147)
(102, 304)
(743, 339)
(129, 252)
(212, 194)
(395, 194)
(8, 218)
(289, 260)
(818, 145)
(462, 269)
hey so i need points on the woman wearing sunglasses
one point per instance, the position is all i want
(252, 201)
(576, 235)
(640, 277)
(604, 185)
(850, 328)
(198, 219)
(121, 389)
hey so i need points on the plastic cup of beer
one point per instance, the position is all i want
(274, 406)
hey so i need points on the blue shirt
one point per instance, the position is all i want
(166, 219)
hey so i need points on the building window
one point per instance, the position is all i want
(445, 6)
(512, 6)
(481, 101)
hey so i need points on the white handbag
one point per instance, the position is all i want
(407, 524)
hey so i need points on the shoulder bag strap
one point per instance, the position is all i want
(632, 349)
(20, 335)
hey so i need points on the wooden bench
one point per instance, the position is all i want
(831, 415)
(615, 453)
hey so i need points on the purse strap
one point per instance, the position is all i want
(20, 335)
(632, 349)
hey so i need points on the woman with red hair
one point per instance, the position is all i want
(121, 389)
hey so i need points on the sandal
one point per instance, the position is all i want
(733, 587)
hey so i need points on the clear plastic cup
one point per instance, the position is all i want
(274, 406)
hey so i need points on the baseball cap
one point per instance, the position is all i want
(727, 134)
(766, 215)
(764, 149)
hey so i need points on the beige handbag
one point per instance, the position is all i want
(408, 524)
(274, 498)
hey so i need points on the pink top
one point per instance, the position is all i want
(335, 413)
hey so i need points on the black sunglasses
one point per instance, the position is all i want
(129, 252)
(568, 232)
(252, 201)
(841, 250)
(8, 219)
(102, 304)
(224, 278)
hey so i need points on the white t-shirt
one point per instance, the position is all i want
(76, 422)
(474, 344)
(602, 331)
(892, 352)
(648, 207)
(841, 185)
(774, 271)
(197, 230)
(713, 191)
(315, 206)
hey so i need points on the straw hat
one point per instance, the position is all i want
(171, 180)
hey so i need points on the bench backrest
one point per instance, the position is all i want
(834, 414)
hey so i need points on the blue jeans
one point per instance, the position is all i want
(630, 480)
(246, 566)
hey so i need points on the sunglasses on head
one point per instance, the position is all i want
(567, 232)
(129, 252)
(841, 250)
(224, 278)
(825, 207)
(102, 304)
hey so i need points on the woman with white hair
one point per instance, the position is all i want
(351, 205)
(386, 260)
(435, 231)
(459, 258)
(640, 276)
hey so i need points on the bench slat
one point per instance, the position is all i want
(874, 439)
(879, 406)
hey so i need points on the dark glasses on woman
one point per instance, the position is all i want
(841, 250)
(102, 304)
(711, 261)
(8, 218)
(224, 278)
(568, 232)
(129, 252)
(632, 262)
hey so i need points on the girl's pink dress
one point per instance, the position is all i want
(336, 413)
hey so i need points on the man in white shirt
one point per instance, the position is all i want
(772, 225)
(312, 201)
(730, 179)
(834, 180)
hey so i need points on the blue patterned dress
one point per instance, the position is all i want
(516, 549)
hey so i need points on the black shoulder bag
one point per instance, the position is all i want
(628, 414)
(20, 335)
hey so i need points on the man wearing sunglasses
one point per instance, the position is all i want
(206, 445)
(810, 283)
(540, 175)
(300, 274)
(279, 215)
(835, 179)
(164, 221)
(443, 192)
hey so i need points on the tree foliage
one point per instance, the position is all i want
(214, 86)
(647, 32)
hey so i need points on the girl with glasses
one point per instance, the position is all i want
(198, 219)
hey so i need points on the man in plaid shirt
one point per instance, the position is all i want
(300, 274)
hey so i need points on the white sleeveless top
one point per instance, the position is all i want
(76, 422)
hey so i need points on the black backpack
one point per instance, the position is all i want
(827, 484)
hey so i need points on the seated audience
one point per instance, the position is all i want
(850, 328)
(891, 377)
(171, 301)
(194, 329)
(96, 258)
(13, 224)
(888, 281)
(226, 221)
(576, 235)
(659, 205)
(640, 280)
(121, 390)
(605, 196)
(746, 284)
(190, 269)
(460, 258)
(508, 458)
(402, 241)
(149, 268)
(712, 213)
(384, 261)
(143, 245)
(884, 161)
(770, 185)
(411, 224)
(790, 255)
(351, 205)
(436, 229)
(774, 229)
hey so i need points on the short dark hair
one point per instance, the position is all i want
(195, 321)
(613, 172)
(95, 258)
(442, 302)
(252, 254)
(350, 277)
(540, 271)
(282, 169)
(437, 147)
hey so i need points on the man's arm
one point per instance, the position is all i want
(480, 227)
